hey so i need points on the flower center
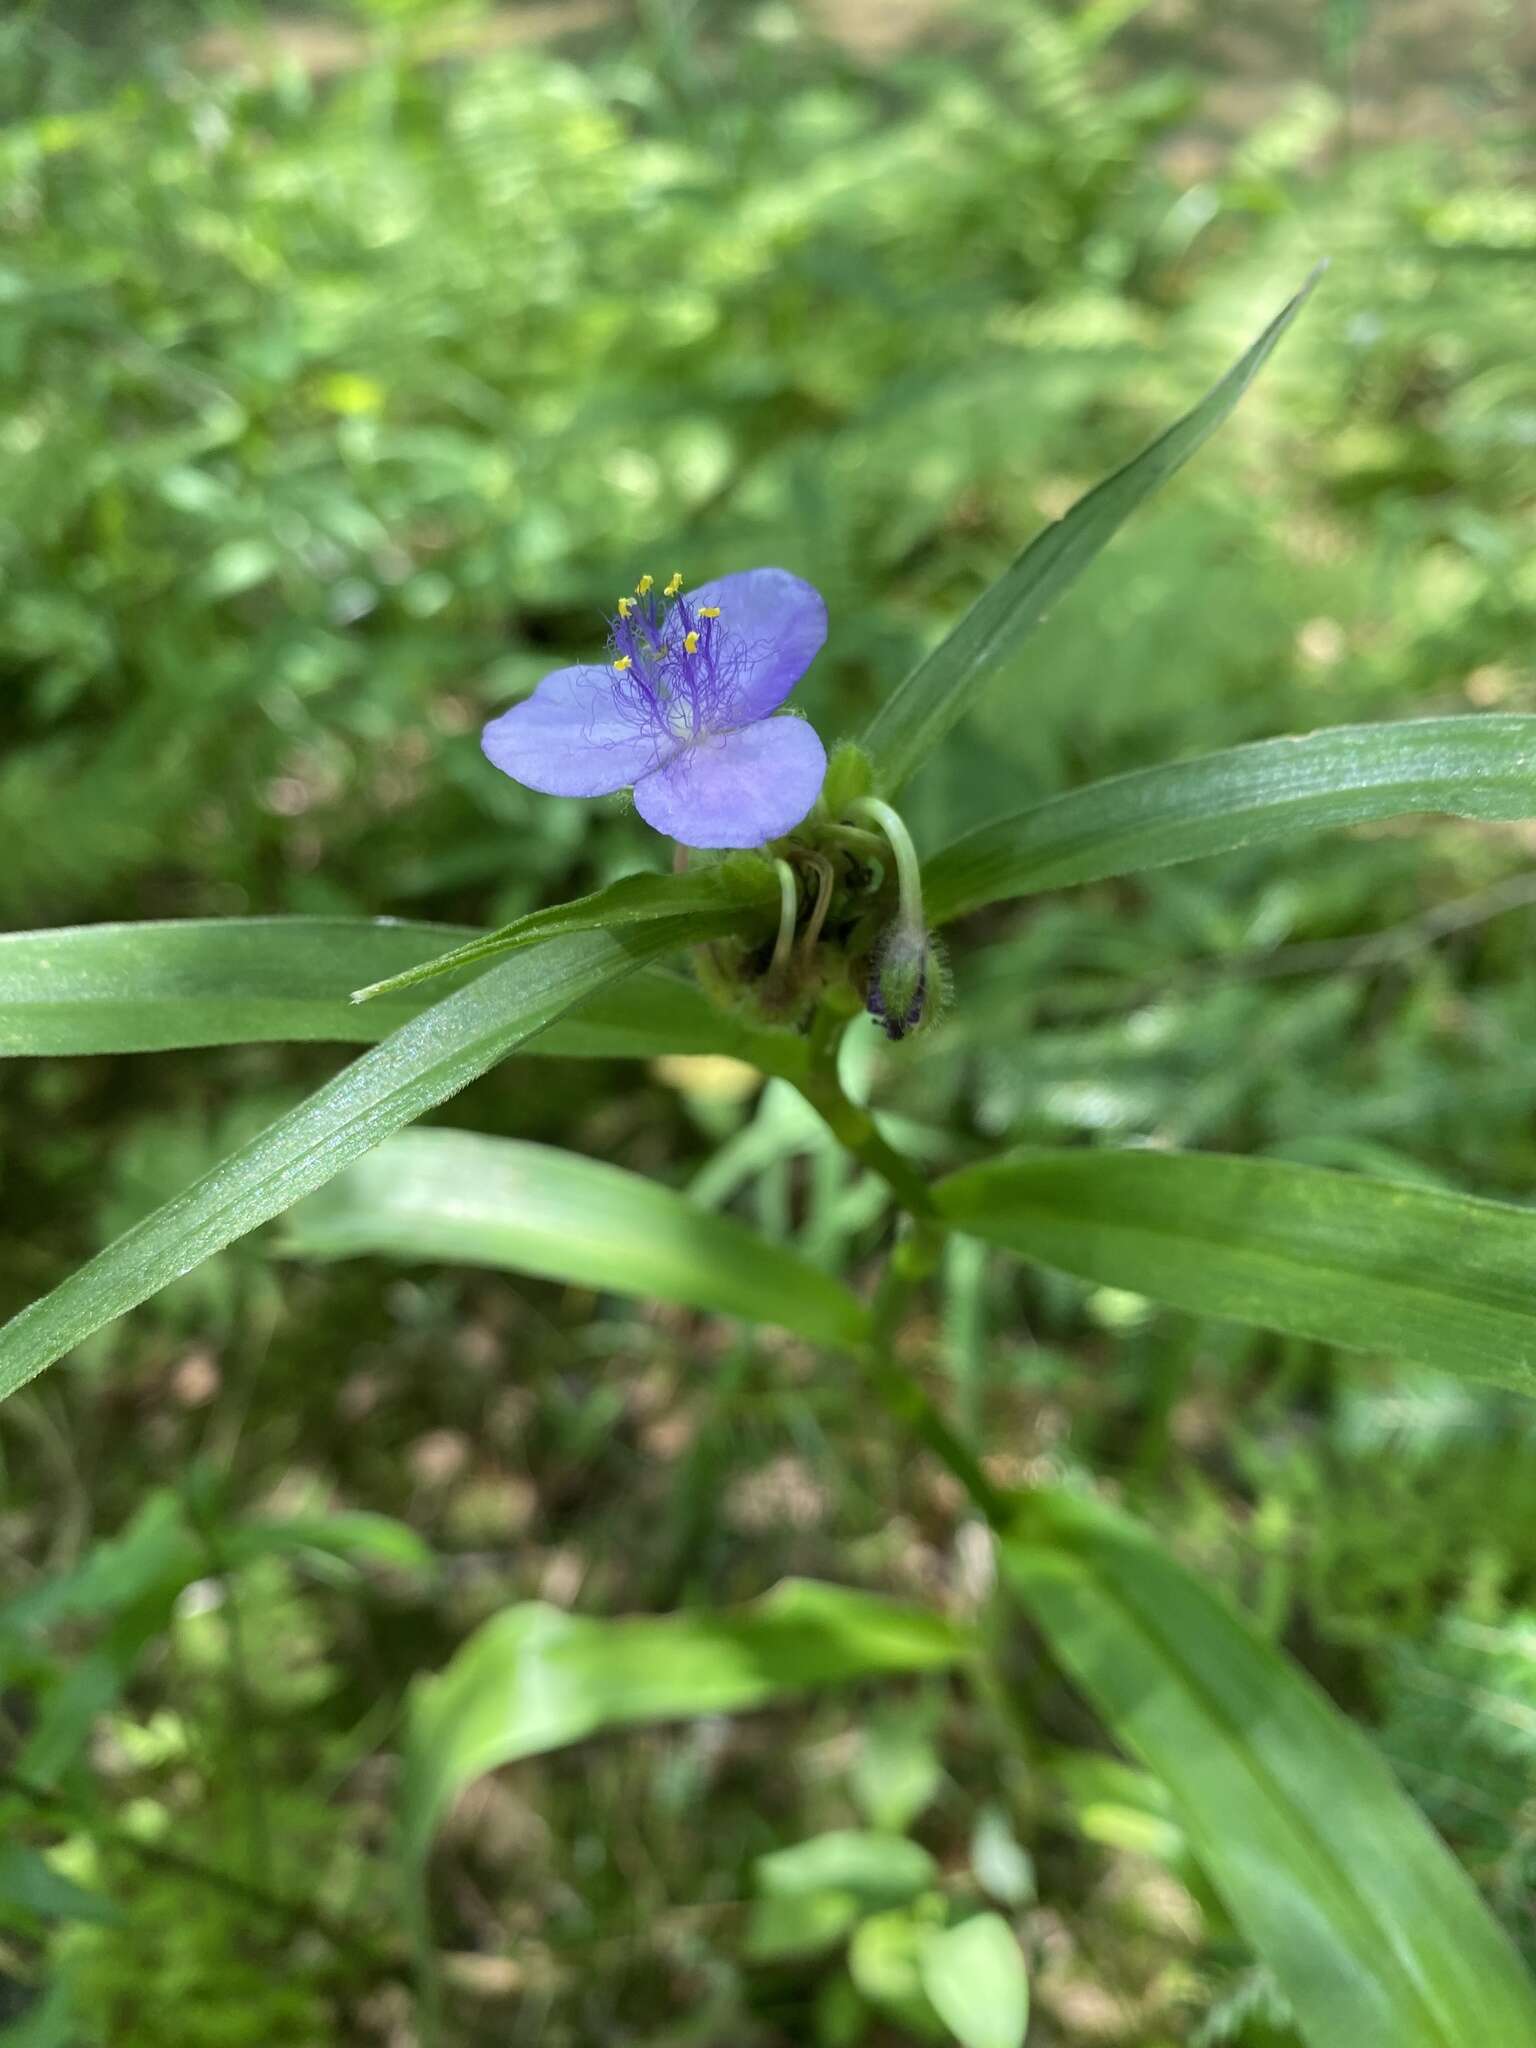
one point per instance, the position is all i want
(676, 668)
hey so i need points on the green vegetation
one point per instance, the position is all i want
(541, 1590)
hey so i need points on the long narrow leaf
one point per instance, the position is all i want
(1474, 767)
(1442, 1279)
(742, 883)
(425, 1061)
(942, 688)
(156, 987)
(536, 1678)
(535, 1209)
(1371, 1929)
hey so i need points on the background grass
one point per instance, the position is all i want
(351, 360)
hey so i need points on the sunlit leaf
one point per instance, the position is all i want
(1369, 1926)
(536, 1678)
(876, 1868)
(742, 883)
(1482, 767)
(1392, 1267)
(976, 1982)
(455, 1196)
(426, 1060)
(228, 981)
(913, 720)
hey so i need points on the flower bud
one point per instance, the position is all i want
(902, 974)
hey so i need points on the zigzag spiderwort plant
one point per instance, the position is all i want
(805, 905)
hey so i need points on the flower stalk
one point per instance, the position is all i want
(904, 969)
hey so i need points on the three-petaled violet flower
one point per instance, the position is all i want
(683, 711)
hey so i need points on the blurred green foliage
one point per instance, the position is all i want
(349, 366)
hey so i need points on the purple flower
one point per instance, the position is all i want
(682, 710)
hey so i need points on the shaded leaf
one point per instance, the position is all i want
(1474, 767)
(1371, 1929)
(1442, 1279)
(877, 1869)
(885, 1963)
(31, 1889)
(425, 1061)
(798, 1924)
(536, 1209)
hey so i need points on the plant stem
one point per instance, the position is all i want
(854, 1128)
(909, 881)
(825, 879)
(913, 1260)
(789, 910)
(857, 840)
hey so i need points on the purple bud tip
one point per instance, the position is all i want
(898, 985)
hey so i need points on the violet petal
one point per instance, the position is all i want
(737, 789)
(777, 621)
(575, 736)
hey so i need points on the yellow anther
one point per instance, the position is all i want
(690, 643)
(626, 606)
(675, 585)
(709, 611)
(623, 663)
(643, 587)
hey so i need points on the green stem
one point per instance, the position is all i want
(913, 1260)
(854, 1128)
(908, 874)
(789, 910)
(858, 841)
(909, 1404)
(821, 867)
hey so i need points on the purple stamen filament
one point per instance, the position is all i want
(676, 673)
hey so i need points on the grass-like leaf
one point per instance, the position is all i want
(912, 721)
(481, 1201)
(156, 987)
(743, 883)
(1371, 1929)
(1473, 767)
(1411, 1272)
(425, 1061)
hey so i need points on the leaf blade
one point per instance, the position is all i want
(424, 1062)
(741, 884)
(503, 1202)
(974, 1978)
(1442, 1279)
(1258, 795)
(1372, 1930)
(536, 1678)
(938, 692)
(170, 985)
